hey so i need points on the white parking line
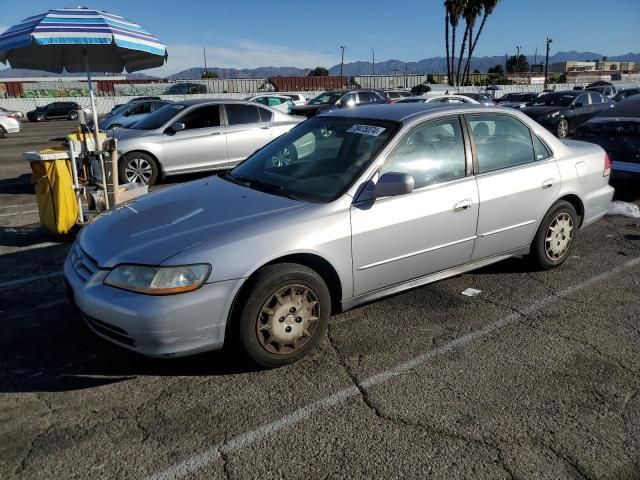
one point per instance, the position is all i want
(18, 205)
(13, 283)
(17, 213)
(198, 461)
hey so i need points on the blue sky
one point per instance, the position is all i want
(252, 33)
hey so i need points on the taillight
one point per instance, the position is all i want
(607, 165)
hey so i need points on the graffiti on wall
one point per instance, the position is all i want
(54, 90)
(155, 89)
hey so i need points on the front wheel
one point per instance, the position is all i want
(285, 314)
(563, 128)
(556, 236)
(138, 167)
(73, 115)
(40, 117)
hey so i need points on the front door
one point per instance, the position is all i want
(249, 127)
(200, 146)
(400, 238)
(517, 182)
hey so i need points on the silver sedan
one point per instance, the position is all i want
(197, 135)
(379, 199)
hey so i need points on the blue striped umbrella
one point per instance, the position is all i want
(81, 40)
(68, 38)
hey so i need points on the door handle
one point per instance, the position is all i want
(547, 184)
(265, 128)
(463, 205)
(216, 133)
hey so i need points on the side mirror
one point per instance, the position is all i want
(394, 183)
(178, 127)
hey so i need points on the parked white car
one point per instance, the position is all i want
(8, 125)
(296, 98)
(281, 103)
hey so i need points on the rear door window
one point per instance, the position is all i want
(240, 114)
(500, 141)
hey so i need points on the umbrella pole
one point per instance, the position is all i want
(94, 113)
(95, 129)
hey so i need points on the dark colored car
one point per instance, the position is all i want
(562, 112)
(335, 99)
(628, 92)
(617, 130)
(66, 110)
(517, 97)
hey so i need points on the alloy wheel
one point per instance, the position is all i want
(559, 236)
(288, 319)
(563, 129)
(282, 158)
(138, 170)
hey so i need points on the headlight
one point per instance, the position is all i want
(158, 280)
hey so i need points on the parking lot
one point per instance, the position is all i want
(535, 377)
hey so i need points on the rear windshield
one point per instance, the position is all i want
(158, 118)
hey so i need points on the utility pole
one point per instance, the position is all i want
(373, 61)
(546, 62)
(518, 59)
(535, 57)
(506, 63)
(204, 55)
(342, 47)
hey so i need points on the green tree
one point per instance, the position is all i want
(497, 70)
(517, 64)
(209, 74)
(318, 72)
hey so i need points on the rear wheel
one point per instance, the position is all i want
(284, 315)
(3, 132)
(556, 235)
(138, 167)
(563, 128)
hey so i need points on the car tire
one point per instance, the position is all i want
(3, 132)
(563, 128)
(40, 117)
(72, 115)
(555, 236)
(283, 315)
(138, 167)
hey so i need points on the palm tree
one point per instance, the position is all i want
(488, 6)
(447, 8)
(470, 12)
(455, 12)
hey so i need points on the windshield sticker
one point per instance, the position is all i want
(366, 130)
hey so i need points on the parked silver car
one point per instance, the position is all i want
(378, 200)
(197, 135)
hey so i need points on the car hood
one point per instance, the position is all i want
(164, 223)
(541, 110)
(127, 133)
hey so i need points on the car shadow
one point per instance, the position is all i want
(627, 187)
(20, 184)
(29, 235)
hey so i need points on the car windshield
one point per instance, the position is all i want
(326, 98)
(554, 99)
(317, 160)
(159, 117)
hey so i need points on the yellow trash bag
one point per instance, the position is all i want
(57, 203)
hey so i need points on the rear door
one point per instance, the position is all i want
(517, 182)
(249, 127)
(200, 146)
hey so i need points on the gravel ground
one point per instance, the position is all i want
(536, 377)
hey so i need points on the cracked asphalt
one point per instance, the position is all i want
(536, 377)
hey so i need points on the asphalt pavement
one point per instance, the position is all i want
(535, 377)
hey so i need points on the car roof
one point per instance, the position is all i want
(400, 112)
(203, 101)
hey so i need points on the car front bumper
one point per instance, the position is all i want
(156, 326)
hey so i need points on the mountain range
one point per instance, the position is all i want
(388, 67)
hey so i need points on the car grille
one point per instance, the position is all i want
(83, 264)
(116, 334)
